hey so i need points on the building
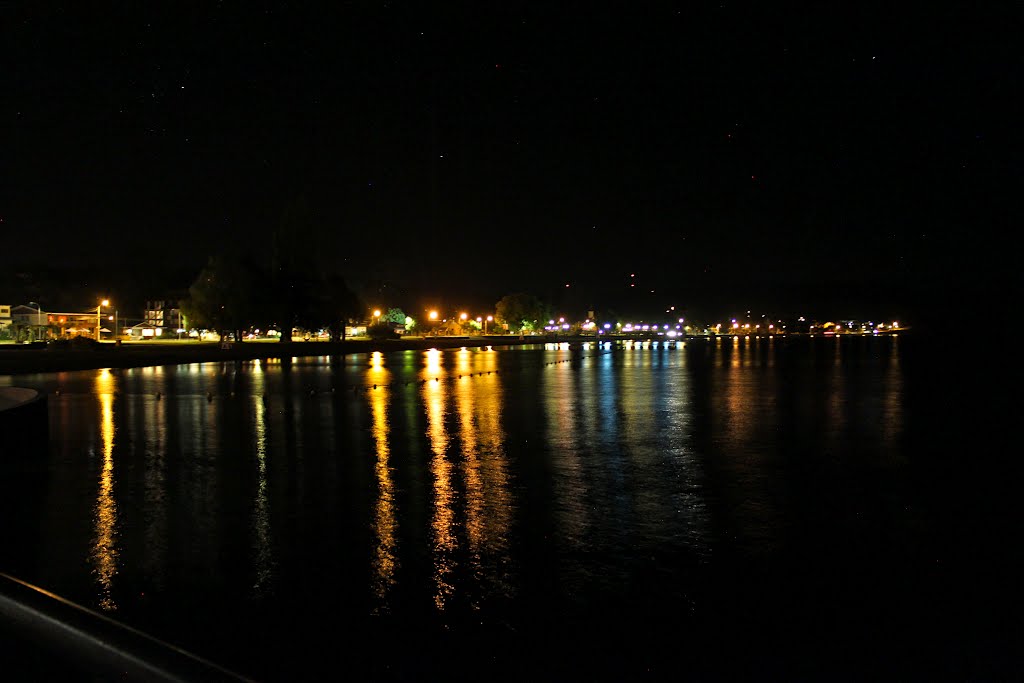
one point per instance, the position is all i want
(161, 319)
(28, 323)
(5, 317)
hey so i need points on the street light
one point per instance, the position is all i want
(99, 312)
(39, 315)
(489, 319)
(113, 319)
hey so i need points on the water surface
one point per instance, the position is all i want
(723, 508)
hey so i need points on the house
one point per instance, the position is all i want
(5, 316)
(27, 323)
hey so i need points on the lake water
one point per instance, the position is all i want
(733, 508)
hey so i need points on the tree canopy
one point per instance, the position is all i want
(233, 295)
(222, 296)
(520, 311)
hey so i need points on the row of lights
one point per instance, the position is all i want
(432, 315)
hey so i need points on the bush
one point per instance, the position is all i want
(83, 343)
(73, 344)
(381, 331)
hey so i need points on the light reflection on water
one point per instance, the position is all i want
(105, 552)
(476, 485)
(385, 558)
(261, 530)
(443, 518)
(488, 500)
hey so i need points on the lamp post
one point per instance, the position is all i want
(489, 319)
(99, 313)
(39, 317)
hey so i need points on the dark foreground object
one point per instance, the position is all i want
(23, 419)
(56, 635)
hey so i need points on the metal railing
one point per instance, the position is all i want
(93, 642)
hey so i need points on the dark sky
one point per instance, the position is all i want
(719, 154)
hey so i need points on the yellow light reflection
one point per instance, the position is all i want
(433, 360)
(488, 498)
(378, 374)
(104, 549)
(738, 394)
(261, 507)
(443, 520)
(465, 395)
(385, 523)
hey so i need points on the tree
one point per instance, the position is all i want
(394, 315)
(331, 303)
(323, 301)
(288, 283)
(222, 298)
(520, 311)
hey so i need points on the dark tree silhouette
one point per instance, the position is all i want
(222, 298)
(343, 305)
(288, 281)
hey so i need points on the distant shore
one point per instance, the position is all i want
(24, 360)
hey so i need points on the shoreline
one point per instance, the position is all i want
(16, 361)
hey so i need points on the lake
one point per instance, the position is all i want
(796, 508)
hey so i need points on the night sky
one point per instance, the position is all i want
(718, 156)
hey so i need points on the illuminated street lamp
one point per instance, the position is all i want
(376, 316)
(489, 319)
(99, 313)
(432, 315)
